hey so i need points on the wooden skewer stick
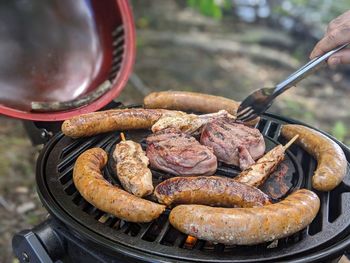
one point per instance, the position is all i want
(122, 136)
(290, 142)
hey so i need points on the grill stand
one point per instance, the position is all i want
(41, 244)
(52, 242)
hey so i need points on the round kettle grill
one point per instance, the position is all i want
(62, 58)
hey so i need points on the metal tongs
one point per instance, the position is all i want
(260, 100)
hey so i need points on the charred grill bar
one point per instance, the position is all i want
(78, 228)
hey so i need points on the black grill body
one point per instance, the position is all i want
(101, 237)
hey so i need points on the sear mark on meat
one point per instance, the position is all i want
(209, 190)
(232, 142)
(180, 154)
(132, 168)
(188, 123)
(279, 182)
(257, 173)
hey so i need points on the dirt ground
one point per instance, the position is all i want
(179, 49)
(20, 207)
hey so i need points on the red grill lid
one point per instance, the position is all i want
(60, 58)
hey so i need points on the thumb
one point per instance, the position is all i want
(341, 57)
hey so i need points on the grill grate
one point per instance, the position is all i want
(159, 237)
(118, 51)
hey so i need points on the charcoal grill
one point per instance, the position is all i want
(81, 229)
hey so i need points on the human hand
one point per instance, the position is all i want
(338, 33)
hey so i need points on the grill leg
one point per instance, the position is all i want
(39, 245)
(27, 248)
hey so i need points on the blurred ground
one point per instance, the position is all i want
(180, 49)
(20, 207)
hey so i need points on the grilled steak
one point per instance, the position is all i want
(232, 142)
(180, 154)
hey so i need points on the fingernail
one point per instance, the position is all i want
(334, 61)
(314, 54)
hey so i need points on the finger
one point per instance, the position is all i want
(331, 40)
(338, 21)
(333, 25)
(341, 57)
(316, 51)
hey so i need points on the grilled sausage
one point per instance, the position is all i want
(132, 168)
(111, 120)
(247, 226)
(89, 181)
(331, 161)
(209, 190)
(191, 101)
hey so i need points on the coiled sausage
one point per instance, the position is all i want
(89, 181)
(331, 160)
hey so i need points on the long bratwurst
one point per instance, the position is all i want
(189, 101)
(112, 120)
(193, 102)
(247, 226)
(331, 160)
(89, 181)
(209, 190)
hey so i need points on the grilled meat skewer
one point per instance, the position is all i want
(132, 168)
(188, 123)
(257, 173)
